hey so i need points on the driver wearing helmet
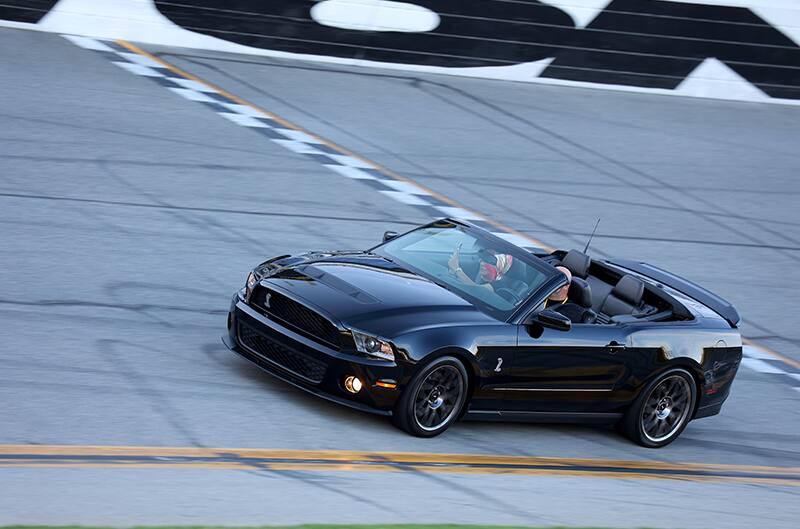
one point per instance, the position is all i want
(491, 268)
(560, 296)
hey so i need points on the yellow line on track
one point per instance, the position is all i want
(329, 143)
(351, 455)
(378, 167)
(143, 457)
(785, 359)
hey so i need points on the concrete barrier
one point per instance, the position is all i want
(730, 49)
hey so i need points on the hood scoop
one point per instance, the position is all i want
(337, 283)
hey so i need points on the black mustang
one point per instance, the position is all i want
(448, 320)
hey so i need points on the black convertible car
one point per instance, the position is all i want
(449, 321)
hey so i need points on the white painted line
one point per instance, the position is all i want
(245, 121)
(192, 85)
(191, 95)
(405, 187)
(297, 146)
(140, 59)
(795, 376)
(761, 366)
(138, 69)
(297, 141)
(350, 172)
(244, 109)
(459, 213)
(406, 198)
(515, 239)
(350, 161)
(298, 135)
(756, 352)
(86, 42)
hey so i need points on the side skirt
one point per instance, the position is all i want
(708, 411)
(541, 416)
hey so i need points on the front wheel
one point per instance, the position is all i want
(662, 410)
(434, 398)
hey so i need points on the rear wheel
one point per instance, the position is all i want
(662, 410)
(434, 398)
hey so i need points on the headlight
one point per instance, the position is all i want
(373, 346)
(249, 284)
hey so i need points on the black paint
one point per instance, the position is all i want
(646, 43)
(459, 41)
(656, 44)
(30, 11)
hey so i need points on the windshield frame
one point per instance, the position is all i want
(552, 276)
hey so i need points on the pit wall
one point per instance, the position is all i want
(744, 50)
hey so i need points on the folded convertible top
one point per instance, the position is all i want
(694, 291)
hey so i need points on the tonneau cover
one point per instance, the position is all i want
(709, 299)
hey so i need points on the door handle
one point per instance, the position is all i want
(614, 346)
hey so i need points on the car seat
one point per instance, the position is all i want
(578, 263)
(624, 297)
(580, 293)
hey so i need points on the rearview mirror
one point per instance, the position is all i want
(552, 320)
(389, 235)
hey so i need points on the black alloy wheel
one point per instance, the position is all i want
(434, 399)
(662, 410)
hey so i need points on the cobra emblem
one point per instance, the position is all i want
(499, 363)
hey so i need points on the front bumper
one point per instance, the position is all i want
(328, 368)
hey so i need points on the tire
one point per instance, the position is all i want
(662, 410)
(434, 398)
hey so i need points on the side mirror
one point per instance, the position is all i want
(552, 320)
(389, 235)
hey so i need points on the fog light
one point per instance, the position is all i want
(352, 384)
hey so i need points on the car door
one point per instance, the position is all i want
(496, 346)
(574, 371)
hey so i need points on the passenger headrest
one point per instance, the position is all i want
(629, 289)
(577, 263)
(580, 292)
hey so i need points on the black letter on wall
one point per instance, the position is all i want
(656, 44)
(471, 33)
(30, 11)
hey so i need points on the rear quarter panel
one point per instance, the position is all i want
(709, 349)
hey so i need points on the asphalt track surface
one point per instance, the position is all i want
(130, 215)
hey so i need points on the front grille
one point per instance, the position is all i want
(302, 365)
(297, 316)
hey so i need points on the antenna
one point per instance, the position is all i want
(592, 235)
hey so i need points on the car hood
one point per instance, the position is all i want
(370, 293)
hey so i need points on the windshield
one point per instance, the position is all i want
(495, 276)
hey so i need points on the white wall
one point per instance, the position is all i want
(139, 20)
